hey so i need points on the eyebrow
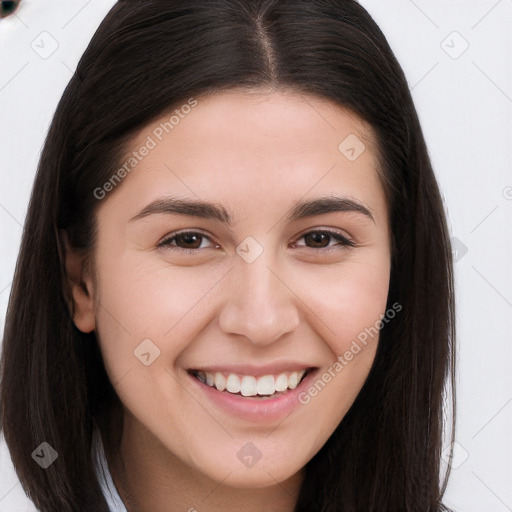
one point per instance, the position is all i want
(212, 210)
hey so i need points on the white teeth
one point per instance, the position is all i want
(293, 380)
(249, 385)
(220, 381)
(265, 385)
(233, 383)
(281, 382)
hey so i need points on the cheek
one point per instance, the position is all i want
(346, 307)
(347, 302)
(145, 298)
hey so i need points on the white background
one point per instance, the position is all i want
(464, 100)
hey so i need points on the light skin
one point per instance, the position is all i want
(303, 299)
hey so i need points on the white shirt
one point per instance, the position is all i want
(114, 501)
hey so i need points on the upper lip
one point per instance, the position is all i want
(254, 370)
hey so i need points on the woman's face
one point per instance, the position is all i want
(261, 288)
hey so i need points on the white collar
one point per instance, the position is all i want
(114, 501)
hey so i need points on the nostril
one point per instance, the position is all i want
(7, 7)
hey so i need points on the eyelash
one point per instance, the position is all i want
(344, 242)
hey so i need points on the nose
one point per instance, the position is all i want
(260, 305)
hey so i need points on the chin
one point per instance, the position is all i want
(261, 475)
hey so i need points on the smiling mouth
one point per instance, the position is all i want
(264, 387)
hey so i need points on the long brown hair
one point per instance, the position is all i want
(145, 58)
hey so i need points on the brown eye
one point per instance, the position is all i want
(322, 239)
(187, 240)
(7, 7)
(317, 239)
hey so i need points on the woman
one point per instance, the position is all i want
(235, 282)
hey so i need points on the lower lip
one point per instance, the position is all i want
(253, 409)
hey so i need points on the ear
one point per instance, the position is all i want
(78, 285)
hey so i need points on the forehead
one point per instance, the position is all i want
(261, 117)
(250, 146)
